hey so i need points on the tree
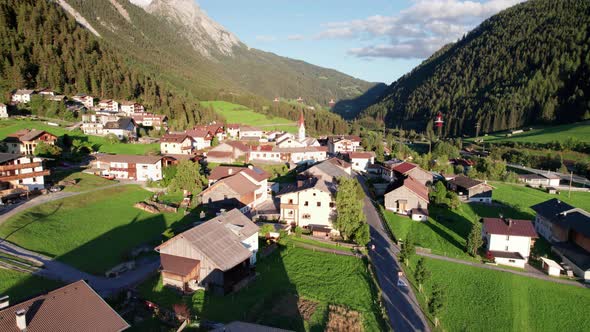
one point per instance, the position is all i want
(436, 302)
(421, 274)
(265, 229)
(362, 235)
(453, 200)
(439, 195)
(214, 141)
(112, 139)
(188, 177)
(408, 249)
(474, 240)
(349, 204)
(47, 150)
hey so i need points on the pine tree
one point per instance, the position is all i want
(408, 249)
(436, 302)
(349, 207)
(474, 240)
(421, 274)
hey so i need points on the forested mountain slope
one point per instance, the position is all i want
(528, 64)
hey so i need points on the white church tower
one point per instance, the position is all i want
(301, 133)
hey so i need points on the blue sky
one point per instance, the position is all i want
(375, 40)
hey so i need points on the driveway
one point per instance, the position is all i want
(402, 307)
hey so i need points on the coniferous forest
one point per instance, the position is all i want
(529, 64)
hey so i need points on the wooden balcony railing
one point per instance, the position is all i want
(19, 166)
(24, 175)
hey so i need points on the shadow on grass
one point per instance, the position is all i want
(21, 286)
(272, 299)
(34, 217)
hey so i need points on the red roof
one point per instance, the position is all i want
(238, 145)
(174, 138)
(507, 226)
(416, 187)
(361, 155)
(404, 167)
(219, 154)
(205, 134)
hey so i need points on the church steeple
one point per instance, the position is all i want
(301, 133)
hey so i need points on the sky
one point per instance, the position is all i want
(375, 40)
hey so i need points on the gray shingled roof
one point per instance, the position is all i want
(4, 157)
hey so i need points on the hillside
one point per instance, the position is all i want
(234, 113)
(529, 64)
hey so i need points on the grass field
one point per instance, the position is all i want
(92, 231)
(20, 286)
(84, 181)
(314, 277)
(522, 197)
(486, 300)
(10, 126)
(579, 131)
(234, 113)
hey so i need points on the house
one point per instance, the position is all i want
(301, 155)
(20, 174)
(343, 144)
(361, 160)
(123, 128)
(46, 92)
(407, 197)
(244, 188)
(72, 308)
(249, 133)
(201, 138)
(3, 111)
(228, 152)
(176, 143)
(128, 167)
(232, 130)
(551, 266)
(131, 107)
(22, 96)
(394, 171)
(174, 159)
(540, 180)
(330, 170)
(213, 130)
(86, 100)
(217, 255)
(471, 190)
(508, 241)
(145, 119)
(109, 105)
(25, 141)
(309, 204)
(568, 230)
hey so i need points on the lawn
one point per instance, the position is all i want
(84, 182)
(579, 131)
(234, 113)
(283, 277)
(10, 126)
(523, 197)
(20, 286)
(92, 231)
(487, 300)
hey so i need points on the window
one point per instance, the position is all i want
(507, 237)
(144, 167)
(306, 203)
(290, 201)
(306, 216)
(506, 249)
(319, 204)
(332, 204)
(511, 261)
(314, 194)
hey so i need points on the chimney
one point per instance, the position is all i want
(509, 222)
(21, 319)
(299, 183)
(4, 302)
(230, 171)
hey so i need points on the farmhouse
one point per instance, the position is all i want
(309, 204)
(176, 144)
(217, 255)
(131, 107)
(228, 152)
(408, 197)
(508, 241)
(86, 100)
(3, 111)
(156, 121)
(128, 167)
(568, 230)
(20, 174)
(109, 105)
(22, 96)
(343, 144)
(201, 138)
(72, 308)
(213, 130)
(123, 128)
(232, 130)
(245, 190)
(329, 170)
(394, 171)
(540, 180)
(361, 160)
(25, 141)
(471, 190)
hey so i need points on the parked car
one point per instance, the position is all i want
(55, 189)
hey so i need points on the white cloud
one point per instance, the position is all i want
(295, 37)
(416, 32)
(265, 38)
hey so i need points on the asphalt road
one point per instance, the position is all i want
(402, 307)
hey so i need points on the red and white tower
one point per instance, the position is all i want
(332, 103)
(438, 123)
(301, 132)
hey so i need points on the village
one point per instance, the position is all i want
(222, 200)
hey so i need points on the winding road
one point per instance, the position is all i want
(402, 307)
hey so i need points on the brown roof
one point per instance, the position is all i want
(26, 135)
(205, 134)
(239, 183)
(219, 154)
(127, 158)
(75, 307)
(465, 182)
(174, 138)
(219, 239)
(181, 266)
(507, 226)
(505, 254)
(238, 145)
(414, 186)
(420, 211)
(339, 162)
(362, 155)
(221, 172)
(404, 167)
(353, 138)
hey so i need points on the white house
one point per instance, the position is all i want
(540, 180)
(123, 128)
(508, 241)
(3, 111)
(22, 96)
(232, 130)
(21, 172)
(361, 160)
(109, 105)
(129, 167)
(131, 107)
(176, 144)
(201, 138)
(86, 100)
(247, 132)
(343, 144)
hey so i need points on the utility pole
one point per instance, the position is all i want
(477, 125)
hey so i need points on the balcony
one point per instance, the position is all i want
(19, 166)
(24, 176)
